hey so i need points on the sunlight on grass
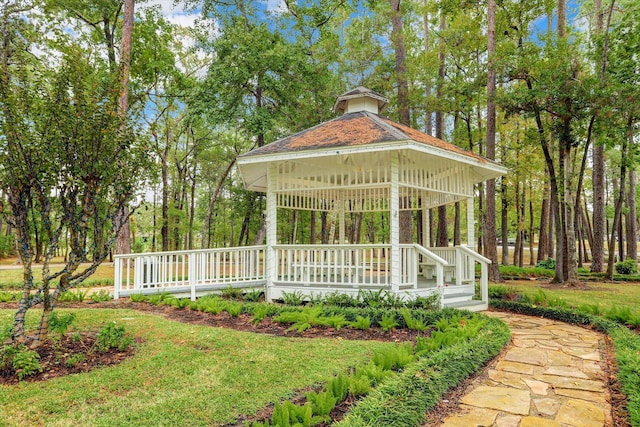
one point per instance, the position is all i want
(606, 295)
(182, 374)
(11, 278)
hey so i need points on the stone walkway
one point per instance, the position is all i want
(550, 375)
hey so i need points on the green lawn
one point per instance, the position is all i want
(181, 375)
(11, 275)
(607, 295)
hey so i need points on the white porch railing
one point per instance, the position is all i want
(335, 265)
(317, 266)
(182, 271)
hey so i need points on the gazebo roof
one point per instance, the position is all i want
(356, 129)
(361, 140)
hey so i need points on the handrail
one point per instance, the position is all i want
(426, 252)
(474, 255)
(189, 251)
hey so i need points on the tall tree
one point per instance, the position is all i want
(123, 242)
(489, 219)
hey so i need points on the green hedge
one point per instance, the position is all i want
(404, 400)
(626, 345)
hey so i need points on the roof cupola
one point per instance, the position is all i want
(360, 99)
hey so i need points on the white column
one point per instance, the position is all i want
(394, 223)
(271, 220)
(471, 224)
(425, 221)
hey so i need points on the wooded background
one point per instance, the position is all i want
(562, 80)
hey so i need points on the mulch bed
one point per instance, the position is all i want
(57, 358)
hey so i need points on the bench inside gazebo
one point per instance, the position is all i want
(357, 163)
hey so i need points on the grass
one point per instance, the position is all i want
(604, 295)
(181, 375)
(11, 278)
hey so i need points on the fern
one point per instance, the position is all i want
(260, 312)
(362, 323)
(322, 404)
(411, 322)
(339, 386)
(388, 322)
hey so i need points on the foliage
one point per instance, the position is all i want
(25, 362)
(233, 308)
(101, 296)
(628, 266)
(112, 336)
(388, 322)
(232, 293)
(403, 400)
(253, 294)
(361, 322)
(61, 324)
(293, 298)
(260, 312)
(548, 264)
(411, 322)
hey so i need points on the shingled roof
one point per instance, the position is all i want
(355, 129)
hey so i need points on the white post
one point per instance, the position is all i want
(117, 280)
(394, 223)
(271, 262)
(471, 224)
(193, 268)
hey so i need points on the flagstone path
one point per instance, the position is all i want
(549, 376)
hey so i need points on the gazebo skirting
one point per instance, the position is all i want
(310, 270)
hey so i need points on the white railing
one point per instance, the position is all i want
(335, 265)
(190, 270)
(329, 266)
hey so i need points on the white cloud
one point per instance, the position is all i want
(174, 13)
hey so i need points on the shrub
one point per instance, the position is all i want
(628, 266)
(388, 322)
(101, 296)
(61, 324)
(362, 323)
(7, 296)
(112, 336)
(253, 294)
(232, 293)
(26, 362)
(549, 264)
(293, 298)
(138, 297)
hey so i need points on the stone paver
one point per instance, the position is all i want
(550, 375)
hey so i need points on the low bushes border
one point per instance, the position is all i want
(405, 400)
(626, 345)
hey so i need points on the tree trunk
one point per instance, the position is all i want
(123, 242)
(442, 237)
(312, 228)
(632, 220)
(490, 211)
(618, 206)
(212, 201)
(427, 84)
(505, 223)
(457, 239)
(397, 40)
(543, 239)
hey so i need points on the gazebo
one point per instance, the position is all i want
(358, 162)
(362, 162)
